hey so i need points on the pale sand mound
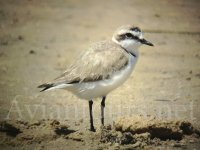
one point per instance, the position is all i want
(141, 132)
(156, 128)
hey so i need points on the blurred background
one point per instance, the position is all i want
(39, 39)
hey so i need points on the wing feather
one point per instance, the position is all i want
(99, 62)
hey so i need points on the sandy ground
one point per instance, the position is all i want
(38, 40)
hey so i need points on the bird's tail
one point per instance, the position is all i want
(46, 86)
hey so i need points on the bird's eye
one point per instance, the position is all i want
(128, 35)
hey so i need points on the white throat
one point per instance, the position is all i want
(130, 45)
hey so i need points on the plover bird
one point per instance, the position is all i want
(102, 68)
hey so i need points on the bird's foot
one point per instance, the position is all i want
(92, 129)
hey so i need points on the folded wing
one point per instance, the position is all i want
(99, 62)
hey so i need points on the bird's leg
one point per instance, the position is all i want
(91, 117)
(102, 109)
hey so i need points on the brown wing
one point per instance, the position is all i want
(99, 62)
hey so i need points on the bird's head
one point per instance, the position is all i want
(130, 37)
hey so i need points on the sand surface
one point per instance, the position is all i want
(39, 39)
(126, 133)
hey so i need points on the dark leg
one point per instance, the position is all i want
(91, 117)
(102, 109)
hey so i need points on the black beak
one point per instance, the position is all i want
(143, 41)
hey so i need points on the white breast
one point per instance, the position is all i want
(101, 88)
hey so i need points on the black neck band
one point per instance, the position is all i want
(129, 52)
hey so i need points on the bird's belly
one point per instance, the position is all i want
(101, 88)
